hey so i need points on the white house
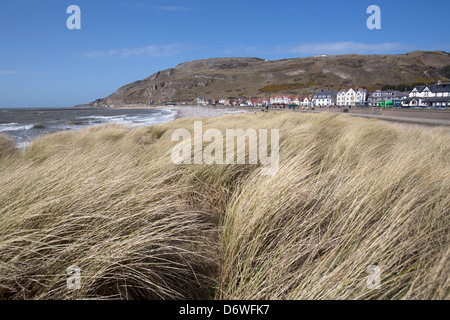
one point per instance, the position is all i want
(307, 100)
(361, 96)
(201, 101)
(324, 99)
(281, 100)
(437, 95)
(340, 97)
(275, 100)
(253, 103)
(351, 97)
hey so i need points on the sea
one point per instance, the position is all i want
(25, 125)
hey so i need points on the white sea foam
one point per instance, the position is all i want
(131, 120)
(23, 133)
(6, 127)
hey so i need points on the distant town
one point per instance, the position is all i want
(427, 96)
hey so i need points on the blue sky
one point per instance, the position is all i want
(44, 64)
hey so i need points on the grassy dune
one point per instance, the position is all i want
(350, 193)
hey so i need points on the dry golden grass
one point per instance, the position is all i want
(350, 193)
(7, 148)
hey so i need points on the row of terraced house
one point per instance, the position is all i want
(437, 95)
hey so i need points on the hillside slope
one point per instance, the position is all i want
(254, 77)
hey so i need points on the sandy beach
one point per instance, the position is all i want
(204, 112)
(192, 111)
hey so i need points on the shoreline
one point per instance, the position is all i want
(193, 111)
(175, 112)
(202, 112)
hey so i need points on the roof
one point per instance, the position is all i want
(445, 87)
(419, 88)
(438, 99)
(435, 88)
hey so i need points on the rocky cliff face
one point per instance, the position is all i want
(254, 77)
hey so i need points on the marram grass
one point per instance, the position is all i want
(350, 193)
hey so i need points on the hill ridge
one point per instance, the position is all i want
(256, 77)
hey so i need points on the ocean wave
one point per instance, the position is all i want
(132, 120)
(6, 127)
(103, 117)
(23, 134)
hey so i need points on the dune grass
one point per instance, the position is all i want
(350, 193)
(7, 148)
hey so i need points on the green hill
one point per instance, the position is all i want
(254, 77)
